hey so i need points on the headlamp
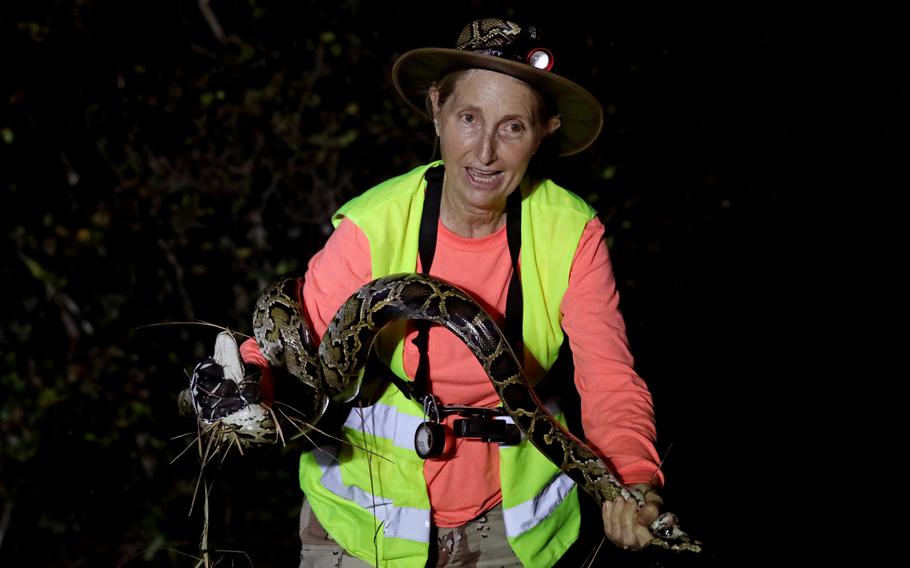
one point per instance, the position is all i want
(540, 58)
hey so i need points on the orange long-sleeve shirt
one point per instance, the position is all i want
(617, 412)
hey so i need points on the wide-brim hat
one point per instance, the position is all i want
(509, 48)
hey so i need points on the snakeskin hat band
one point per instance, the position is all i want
(509, 48)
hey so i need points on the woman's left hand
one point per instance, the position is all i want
(625, 524)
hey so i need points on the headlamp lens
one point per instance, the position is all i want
(541, 59)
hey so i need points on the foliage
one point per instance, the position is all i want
(159, 166)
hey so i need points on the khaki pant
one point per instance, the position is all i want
(480, 543)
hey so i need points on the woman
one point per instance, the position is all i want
(494, 105)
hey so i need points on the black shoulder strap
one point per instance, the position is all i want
(429, 223)
(429, 219)
(514, 302)
(426, 247)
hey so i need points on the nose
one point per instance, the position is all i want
(485, 148)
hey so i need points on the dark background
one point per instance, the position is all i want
(159, 165)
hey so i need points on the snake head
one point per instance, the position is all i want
(665, 527)
(668, 535)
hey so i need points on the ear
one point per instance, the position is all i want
(434, 102)
(553, 125)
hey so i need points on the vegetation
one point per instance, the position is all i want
(163, 161)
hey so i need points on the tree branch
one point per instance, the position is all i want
(212, 20)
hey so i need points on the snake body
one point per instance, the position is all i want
(335, 370)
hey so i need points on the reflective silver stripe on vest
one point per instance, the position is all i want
(386, 422)
(525, 516)
(398, 522)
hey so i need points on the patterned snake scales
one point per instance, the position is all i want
(336, 372)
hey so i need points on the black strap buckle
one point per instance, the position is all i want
(477, 422)
(488, 430)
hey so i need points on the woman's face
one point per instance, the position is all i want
(488, 130)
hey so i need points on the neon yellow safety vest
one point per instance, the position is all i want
(371, 495)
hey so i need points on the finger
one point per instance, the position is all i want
(642, 536)
(647, 514)
(611, 528)
(613, 523)
(622, 534)
(630, 523)
(616, 516)
(607, 513)
(634, 536)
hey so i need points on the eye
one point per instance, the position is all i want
(468, 118)
(514, 128)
